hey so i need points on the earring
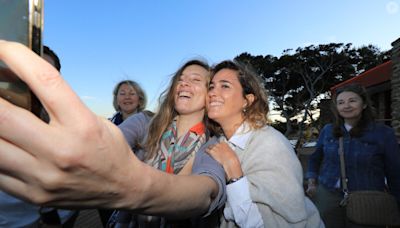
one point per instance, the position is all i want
(244, 108)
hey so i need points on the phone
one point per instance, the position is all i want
(20, 21)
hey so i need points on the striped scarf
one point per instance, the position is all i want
(175, 152)
(172, 156)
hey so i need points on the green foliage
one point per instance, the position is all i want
(296, 79)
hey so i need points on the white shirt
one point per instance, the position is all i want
(241, 208)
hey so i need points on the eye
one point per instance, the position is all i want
(211, 87)
(225, 86)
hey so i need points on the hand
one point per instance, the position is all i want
(223, 154)
(79, 159)
(74, 152)
(311, 188)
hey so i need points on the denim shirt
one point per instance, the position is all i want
(369, 159)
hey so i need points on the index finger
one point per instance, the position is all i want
(56, 96)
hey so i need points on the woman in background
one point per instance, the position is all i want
(371, 154)
(128, 98)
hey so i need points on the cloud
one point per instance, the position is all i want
(86, 97)
(392, 7)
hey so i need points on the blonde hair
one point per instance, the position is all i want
(139, 91)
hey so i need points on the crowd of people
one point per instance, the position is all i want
(208, 157)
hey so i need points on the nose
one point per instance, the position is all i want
(346, 104)
(184, 82)
(212, 93)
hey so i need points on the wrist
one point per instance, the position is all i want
(233, 169)
(233, 180)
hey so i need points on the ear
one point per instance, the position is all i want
(250, 99)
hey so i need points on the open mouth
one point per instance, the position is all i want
(184, 94)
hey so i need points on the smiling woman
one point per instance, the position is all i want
(263, 173)
(175, 135)
(372, 156)
(128, 98)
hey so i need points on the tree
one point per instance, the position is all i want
(277, 81)
(298, 79)
(321, 67)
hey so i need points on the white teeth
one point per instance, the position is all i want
(215, 103)
(184, 94)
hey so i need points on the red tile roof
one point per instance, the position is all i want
(374, 76)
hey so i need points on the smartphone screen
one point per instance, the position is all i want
(20, 21)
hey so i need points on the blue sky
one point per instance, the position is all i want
(102, 42)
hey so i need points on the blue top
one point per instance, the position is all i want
(17, 213)
(369, 159)
(117, 118)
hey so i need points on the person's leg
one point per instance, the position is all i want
(327, 203)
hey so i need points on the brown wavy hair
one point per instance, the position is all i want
(256, 113)
(367, 115)
(166, 112)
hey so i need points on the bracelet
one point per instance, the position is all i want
(233, 180)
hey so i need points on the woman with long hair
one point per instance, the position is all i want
(176, 132)
(264, 176)
(371, 153)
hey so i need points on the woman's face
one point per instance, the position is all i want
(127, 99)
(349, 105)
(225, 98)
(191, 90)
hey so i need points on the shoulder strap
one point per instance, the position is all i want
(342, 166)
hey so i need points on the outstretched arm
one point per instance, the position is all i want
(79, 159)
